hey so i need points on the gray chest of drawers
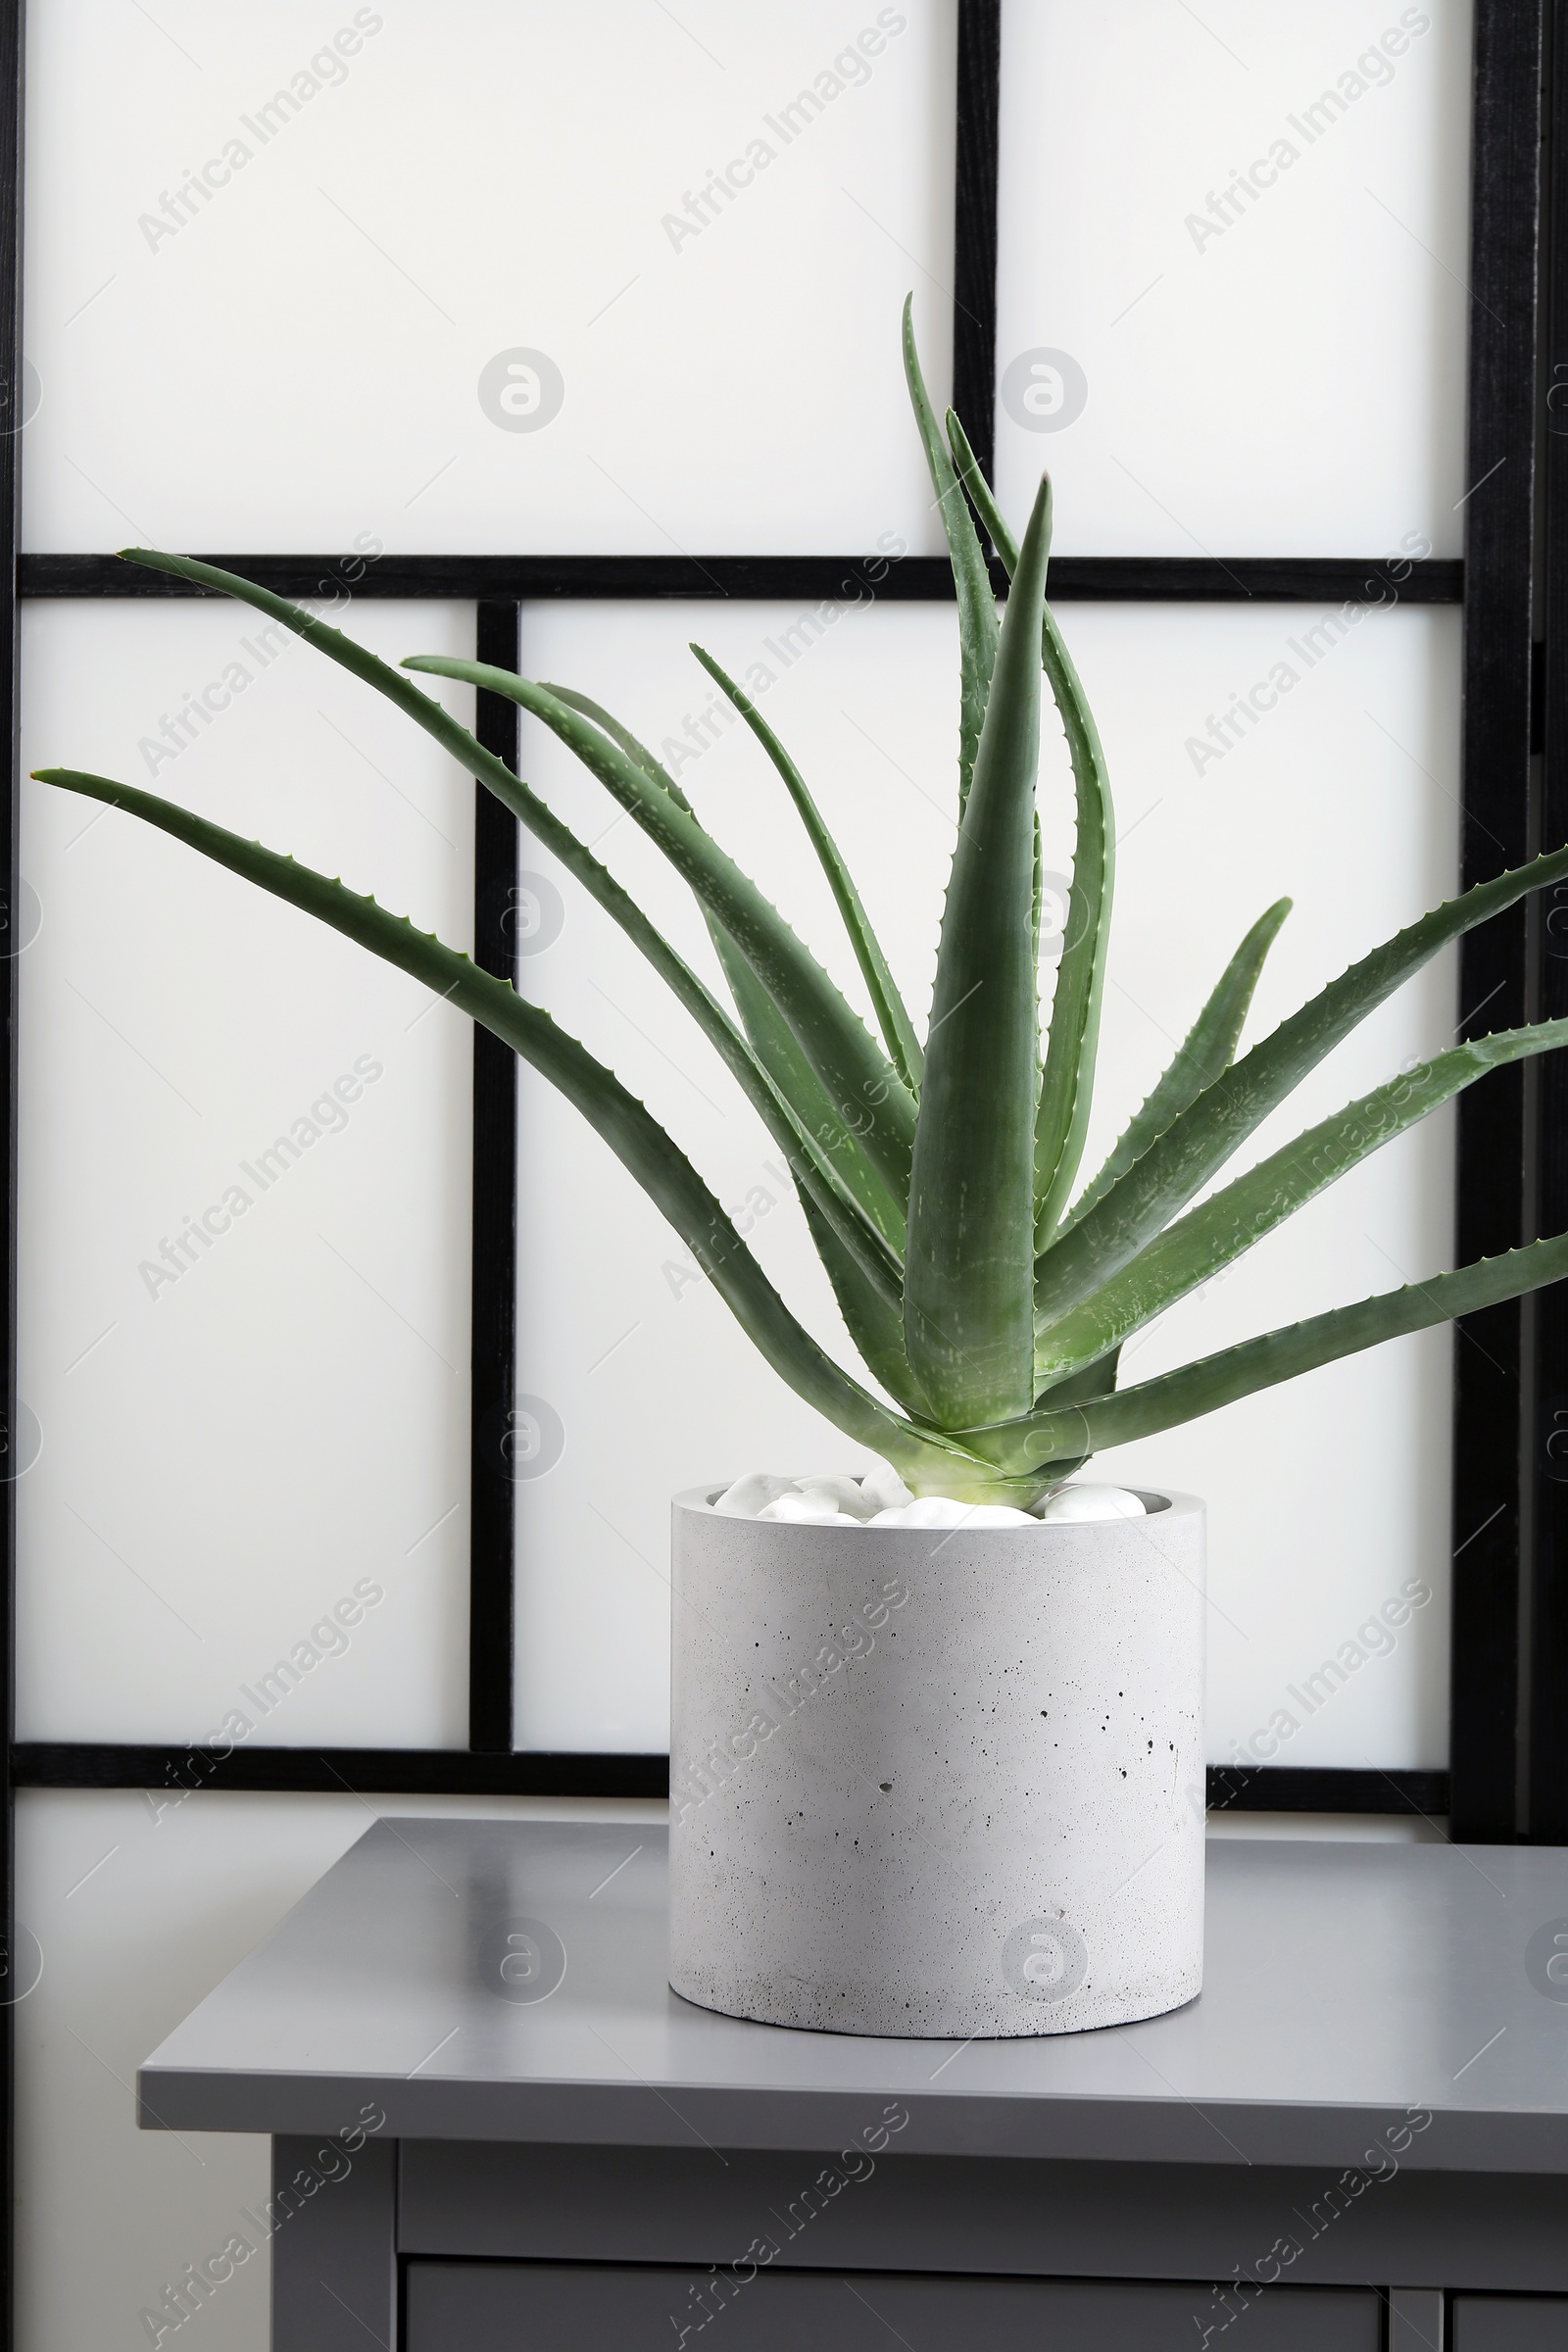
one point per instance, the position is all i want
(496, 2129)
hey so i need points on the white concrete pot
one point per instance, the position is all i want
(937, 1782)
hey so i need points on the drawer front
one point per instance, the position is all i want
(538, 2306)
(1510, 2324)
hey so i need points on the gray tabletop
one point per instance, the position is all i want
(1364, 2004)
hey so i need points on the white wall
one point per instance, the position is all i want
(138, 1907)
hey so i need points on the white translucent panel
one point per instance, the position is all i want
(139, 1907)
(242, 1419)
(457, 296)
(1233, 269)
(1342, 796)
(1327, 1496)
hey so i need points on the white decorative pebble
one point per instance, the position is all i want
(837, 1494)
(884, 1490)
(938, 1510)
(1078, 1502)
(800, 1510)
(745, 1498)
(882, 1499)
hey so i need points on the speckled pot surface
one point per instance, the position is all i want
(937, 1782)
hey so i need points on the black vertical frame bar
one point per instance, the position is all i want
(1488, 1352)
(1547, 1459)
(493, 1356)
(975, 178)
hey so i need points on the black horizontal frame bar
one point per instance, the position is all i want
(361, 1771)
(462, 1771)
(1325, 1789)
(910, 579)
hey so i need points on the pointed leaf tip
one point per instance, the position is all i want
(978, 625)
(1209, 1051)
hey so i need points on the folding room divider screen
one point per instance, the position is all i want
(1484, 533)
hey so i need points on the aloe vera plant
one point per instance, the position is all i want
(987, 1297)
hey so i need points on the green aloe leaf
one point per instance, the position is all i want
(1197, 1143)
(1228, 1224)
(642, 1145)
(968, 1260)
(893, 1020)
(873, 1322)
(833, 1150)
(1066, 1090)
(867, 1280)
(778, 1049)
(771, 1036)
(967, 468)
(1210, 1049)
(1044, 1439)
(872, 1102)
(978, 625)
(1097, 1378)
(1067, 1086)
(869, 1292)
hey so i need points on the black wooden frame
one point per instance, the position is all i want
(1494, 582)
(1510, 1758)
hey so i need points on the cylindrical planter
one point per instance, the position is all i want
(931, 1782)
